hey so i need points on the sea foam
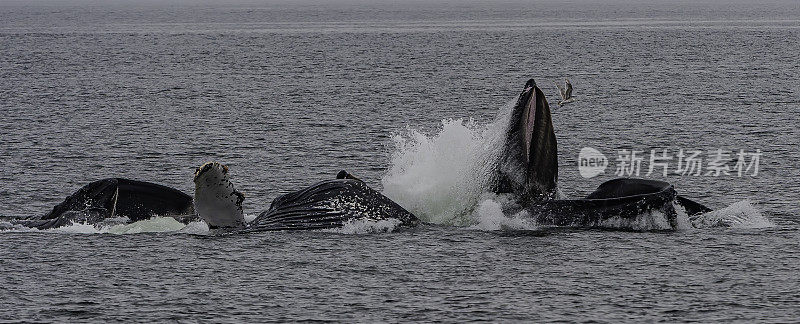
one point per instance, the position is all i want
(442, 177)
(741, 214)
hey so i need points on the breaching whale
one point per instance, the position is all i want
(115, 197)
(324, 205)
(528, 170)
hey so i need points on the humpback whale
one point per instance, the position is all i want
(115, 197)
(528, 166)
(324, 205)
(528, 170)
(216, 201)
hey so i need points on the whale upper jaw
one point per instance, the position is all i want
(216, 200)
(529, 164)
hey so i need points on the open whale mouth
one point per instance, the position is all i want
(208, 167)
(528, 99)
(537, 140)
(216, 200)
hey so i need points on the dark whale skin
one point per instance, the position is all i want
(528, 170)
(626, 198)
(114, 197)
(329, 204)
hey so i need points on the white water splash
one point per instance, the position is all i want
(196, 228)
(120, 226)
(76, 228)
(441, 178)
(11, 227)
(682, 218)
(741, 214)
(490, 216)
(153, 225)
(444, 178)
(647, 221)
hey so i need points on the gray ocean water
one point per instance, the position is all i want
(400, 94)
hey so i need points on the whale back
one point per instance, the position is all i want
(118, 197)
(140, 200)
(330, 204)
(626, 187)
(631, 187)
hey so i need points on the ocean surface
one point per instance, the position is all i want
(410, 97)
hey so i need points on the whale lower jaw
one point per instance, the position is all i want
(219, 215)
(216, 200)
(528, 165)
(618, 203)
(596, 213)
(218, 207)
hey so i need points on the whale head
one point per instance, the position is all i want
(529, 163)
(216, 201)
